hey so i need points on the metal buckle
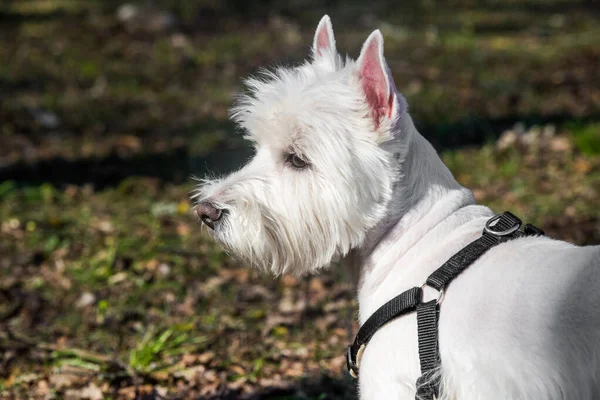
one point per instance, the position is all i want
(505, 232)
(440, 292)
(351, 365)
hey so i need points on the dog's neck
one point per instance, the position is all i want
(423, 182)
(424, 195)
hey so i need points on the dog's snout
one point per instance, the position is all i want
(209, 213)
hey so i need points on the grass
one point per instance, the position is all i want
(587, 138)
(153, 347)
(455, 64)
(115, 284)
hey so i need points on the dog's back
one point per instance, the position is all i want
(531, 308)
(522, 322)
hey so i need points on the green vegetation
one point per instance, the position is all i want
(112, 288)
(587, 138)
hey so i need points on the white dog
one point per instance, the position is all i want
(340, 171)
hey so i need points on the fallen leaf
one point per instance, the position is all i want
(190, 374)
(205, 358)
(90, 392)
(65, 380)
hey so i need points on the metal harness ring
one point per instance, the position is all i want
(506, 232)
(440, 296)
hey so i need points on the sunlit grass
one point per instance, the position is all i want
(154, 346)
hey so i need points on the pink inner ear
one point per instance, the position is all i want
(323, 40)
(375, 82)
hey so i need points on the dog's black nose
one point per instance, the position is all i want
(208, 213)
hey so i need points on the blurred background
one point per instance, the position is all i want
(108, 288)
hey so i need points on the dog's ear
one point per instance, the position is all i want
(376, 79)
(324, 42)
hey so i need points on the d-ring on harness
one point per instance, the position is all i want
(498, 229)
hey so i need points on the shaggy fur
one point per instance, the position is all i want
(523, 322)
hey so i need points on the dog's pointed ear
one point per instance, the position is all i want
(376, 79)
(324, 42)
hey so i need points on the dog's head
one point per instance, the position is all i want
(320, 178)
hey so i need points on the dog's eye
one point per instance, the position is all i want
(297, 161)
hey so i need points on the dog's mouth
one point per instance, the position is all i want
(208, 222)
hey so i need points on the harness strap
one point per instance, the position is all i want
(429, 354)
(497, 230)
(402, 304)
(493, 235)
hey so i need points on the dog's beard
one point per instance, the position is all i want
(263, 239)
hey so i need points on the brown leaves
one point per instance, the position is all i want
(67, 378)
(90, 392)
(97, 268)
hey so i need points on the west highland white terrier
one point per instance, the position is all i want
(340, 172)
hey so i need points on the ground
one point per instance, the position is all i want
(108, 285)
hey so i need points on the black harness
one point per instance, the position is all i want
(498, 229)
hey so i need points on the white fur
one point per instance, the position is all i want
(523, 322)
